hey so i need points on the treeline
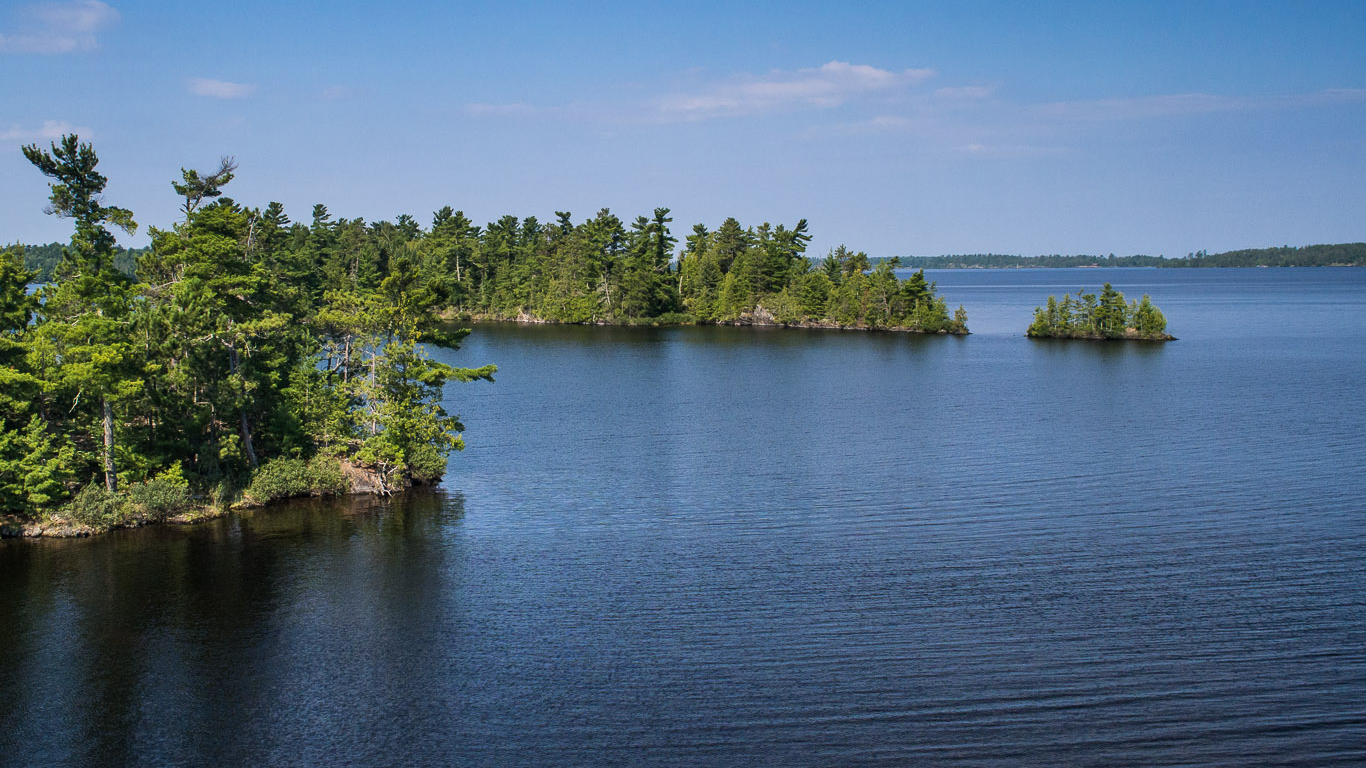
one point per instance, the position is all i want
(42, 260)
(1339, 255)
(1007, 261)
(1106, 316)
(247, 358)
(1344, 254)
(602, 270)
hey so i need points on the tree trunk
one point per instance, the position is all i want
(346, 356)
(111, 478)
(246, 439)
(374, 405)
(242, 412)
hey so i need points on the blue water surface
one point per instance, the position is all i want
(740, 546)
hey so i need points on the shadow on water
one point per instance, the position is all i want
(150, 642)
(764, 337)
(1099, 349)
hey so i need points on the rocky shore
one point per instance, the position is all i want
(359, 481)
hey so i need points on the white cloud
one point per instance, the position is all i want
(59, 27)
(50, 130)
(219, 89)
(829, 85)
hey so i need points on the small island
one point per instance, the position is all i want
(1099, 317)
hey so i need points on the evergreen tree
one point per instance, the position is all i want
(85, 315)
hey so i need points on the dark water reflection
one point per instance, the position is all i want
(719, 546)
(167, 645)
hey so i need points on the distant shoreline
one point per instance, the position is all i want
(746, 320)
(1336, 255)
(1123, 266)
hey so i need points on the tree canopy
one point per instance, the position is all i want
(241, 343)
(1107, 316)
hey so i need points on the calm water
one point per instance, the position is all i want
(737, 547)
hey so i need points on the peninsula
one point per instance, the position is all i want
(237, 367)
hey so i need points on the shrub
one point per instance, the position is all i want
(327, 476)
(285, 478)
(164, 495)
(97, 507)
(426, 463)
(675, 318)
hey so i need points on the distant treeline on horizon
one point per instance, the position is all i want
(1342, 254)
(43, 259)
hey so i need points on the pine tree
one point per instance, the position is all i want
(86, 314)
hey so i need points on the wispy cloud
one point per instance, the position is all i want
(51, 129)
(830, 85)
(966, 92)
(1173, 105)
(1014, 151)
(506, 110)
(219, 89)
(975, 122)
(338, 92)
(58, 27)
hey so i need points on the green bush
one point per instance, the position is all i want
(426, 463)
(674, 318)
(286, 478)
(98, 508)
(327, 475)
(164, 495)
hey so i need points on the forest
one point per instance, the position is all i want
(236, 365)
(42, 260)
(1106, 316)
(603, 270)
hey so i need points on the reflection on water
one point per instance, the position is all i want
(168, 643)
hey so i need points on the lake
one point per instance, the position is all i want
(742, 546)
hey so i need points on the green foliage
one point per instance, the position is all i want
(1147, 319)
(245, 343)
(288, 478)
(426, 463)
(35, 466)
(85, 315)
(18, 386)
(164, 495)
(98, 507)
(1098, 317)
(43, 260)
(603, 271)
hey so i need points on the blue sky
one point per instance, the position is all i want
(897, 128)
